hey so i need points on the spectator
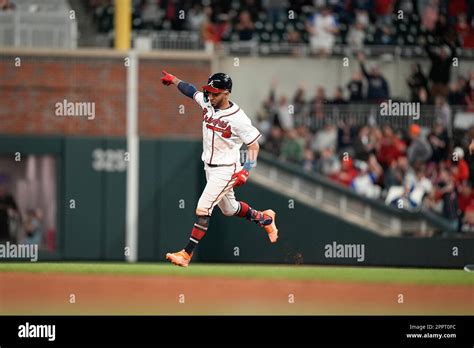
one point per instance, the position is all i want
(422, 6)
(8, 207)
(469, 93)
(441, 61)
(275, 9)
(322, 29)
(467, 225)
(456, 8)
(443, 114)
(252, 7)
(364, 144)
(423, 97)
(346, 174)
(274, 142)
(328, 164)
(355, 87)
(412, 194)
(391, 147)
(346, 134)
(6, 5)
(416, 81)
(445, 191)
(464, 31)
(325, 138)
(419, 149)
(383, 11)
(245, 27)
(457, 95)
(378, 90)
(316, 108)
(365, 182)
(299, 106)
(309, 162)
(429, 18)
(211, 33)
(285, 117)
(418, 187)
(460, 167)
(397, 172)
(292, 149)
(465, 197)
(339, 96)
(33, 228)
(384, 36)
(439, 142)
(294, 39)
(196, 17)
(356, 37)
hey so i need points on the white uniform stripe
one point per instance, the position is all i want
(194, 240)
(201, 227)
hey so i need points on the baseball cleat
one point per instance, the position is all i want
(271, 228)
(180, 258)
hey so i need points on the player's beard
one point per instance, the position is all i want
(217, 104)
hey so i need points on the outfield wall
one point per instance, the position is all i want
(171, 180)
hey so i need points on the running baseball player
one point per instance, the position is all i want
(225, 128)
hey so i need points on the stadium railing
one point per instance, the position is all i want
(323, 194)
(39, 26)
(374, 115)
(192, 40)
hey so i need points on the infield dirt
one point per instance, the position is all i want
(71, 294)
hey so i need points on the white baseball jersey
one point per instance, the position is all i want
(224, 132)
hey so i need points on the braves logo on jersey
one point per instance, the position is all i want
(217, 125)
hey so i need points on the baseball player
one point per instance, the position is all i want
(225, 127)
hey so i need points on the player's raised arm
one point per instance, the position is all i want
(184, 87)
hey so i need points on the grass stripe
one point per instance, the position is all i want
(289, 272)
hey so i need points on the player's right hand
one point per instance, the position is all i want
(167, 79)
(240, 177)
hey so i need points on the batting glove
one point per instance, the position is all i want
(167, 79)
(240, 177)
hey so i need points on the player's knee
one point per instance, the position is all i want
(201, 211)
(228, 211)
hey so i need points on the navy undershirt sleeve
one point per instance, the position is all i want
(187, 89)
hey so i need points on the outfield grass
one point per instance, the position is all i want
(349, 274)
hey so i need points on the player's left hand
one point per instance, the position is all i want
(167, 79)
(240, 177)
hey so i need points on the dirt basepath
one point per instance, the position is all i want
(33, 293)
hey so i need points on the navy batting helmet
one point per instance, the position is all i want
(217, 83)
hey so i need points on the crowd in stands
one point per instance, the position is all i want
(411, 167)
(319, 23)
(6, 5)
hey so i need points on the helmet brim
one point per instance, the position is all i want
(213, 89)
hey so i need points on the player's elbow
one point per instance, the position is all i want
(255, 146)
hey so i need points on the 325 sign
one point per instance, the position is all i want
(110, 160)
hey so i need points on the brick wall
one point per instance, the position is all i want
(29, 94)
